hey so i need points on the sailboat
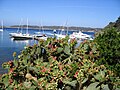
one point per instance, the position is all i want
(1, 30)
(18, 31)
(40, 34)
(61, 35)
(21, 36)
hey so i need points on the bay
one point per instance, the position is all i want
(8, 46)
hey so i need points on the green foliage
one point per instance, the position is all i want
(56, 64)
(109, 46)
(115, 24)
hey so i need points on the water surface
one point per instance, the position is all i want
(8, 45)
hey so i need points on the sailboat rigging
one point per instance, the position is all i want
(19, 31)
(21, 36)
(61, 35)
(41, 32)
(1, 30)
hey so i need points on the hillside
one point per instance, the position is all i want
(115, 24)
(59, 27)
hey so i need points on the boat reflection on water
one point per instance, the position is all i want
(1, 34)
(26, 42)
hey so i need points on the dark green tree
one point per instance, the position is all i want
(109, 46)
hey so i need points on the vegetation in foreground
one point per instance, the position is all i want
(108, 41)
(109, 47)
(58, 65)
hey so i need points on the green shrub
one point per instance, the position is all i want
(109, 47)
(57, 64)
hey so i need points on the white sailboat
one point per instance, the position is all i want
(41, 32)
(22, 36)
(61, 35)
(1, 30)
(19, 31)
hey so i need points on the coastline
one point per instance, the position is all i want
(71, 28)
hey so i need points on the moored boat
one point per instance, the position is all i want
(21, 36)
(19, 31)
(79, 35)
(41, 32)
(1, 30)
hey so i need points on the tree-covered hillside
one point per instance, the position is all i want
(115, 24)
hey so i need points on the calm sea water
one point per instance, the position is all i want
(8, 46)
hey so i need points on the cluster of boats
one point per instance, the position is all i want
(39, 35)
(23, 36)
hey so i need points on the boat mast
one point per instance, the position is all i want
(27, 27)
(2, 24)
(67, 26)
(20, 26)
(62, 30)
(42, 27)
(67, 29)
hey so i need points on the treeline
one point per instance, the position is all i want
(59, 27)
(115, 24)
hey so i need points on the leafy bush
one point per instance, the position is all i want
(57, 64)
(109, 47)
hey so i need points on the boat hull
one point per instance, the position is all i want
(22, 36)
(1, 30)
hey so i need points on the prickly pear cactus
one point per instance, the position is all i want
(57, 64)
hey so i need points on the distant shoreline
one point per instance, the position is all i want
(71, 28)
